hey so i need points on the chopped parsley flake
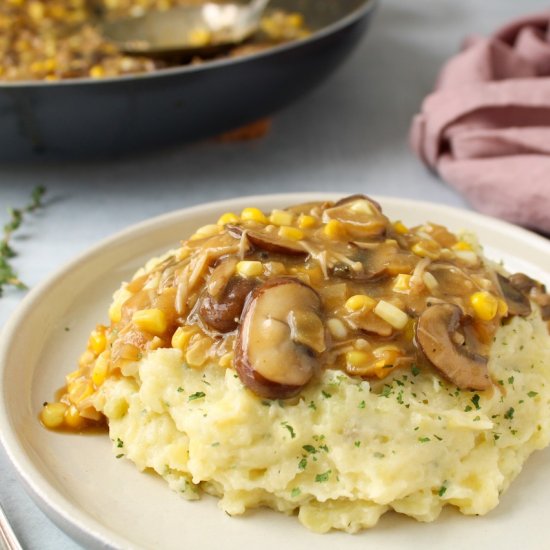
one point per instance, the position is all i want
(424, 439)
(120, 455)
(532, 393)
(475, 401)
(321, 478)
(296, 492)
(323, 448)
(289, 428)
(326, 395)
(197, 395)
(119, 443)
(357, 444)
(386, 391)
(180, 389)
(496, 436)
(309, 449)
(438, 438)
(215, 444)
(442, 489)
(379, 455)
(302, 464)
(509, 414)
(312, 405)
(415, 370)
(362, 405)
(511, 380)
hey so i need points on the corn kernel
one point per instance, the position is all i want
(250, 268)
(462, 245)
(360, 302)
(295, 20)
(275, 268)
(334, 230)
(281, 217)
(73, 418)
(226, 360)
(36, 10)
(253, 215)
(358, 358)
(97, 341)
(151, 320)
(402, 283)
(400, 227)
(180, 338)
(502, 308)
(79, 390)
(485, 305)
(409, 330)
(467, 256)
(100, 370)
(228, 217)
(199, 37)
(198, 351)
(115, 312)
(306, 221)
(292, 233)
(53, 415)
(97, 71)
(427, 249)
(336, 328)
(205, 231)
(391, 314)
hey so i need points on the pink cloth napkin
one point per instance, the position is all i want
(486, 127)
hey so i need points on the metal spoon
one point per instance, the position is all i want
(189, 30)
(8, 540)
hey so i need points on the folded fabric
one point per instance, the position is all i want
(486, 127)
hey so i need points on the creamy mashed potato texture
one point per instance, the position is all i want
(345, 453)
(322, 361)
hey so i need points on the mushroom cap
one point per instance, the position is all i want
(221, 313)
(280, 336)
(434, 332)
(270, 243)
(361, 216)
(516, 300)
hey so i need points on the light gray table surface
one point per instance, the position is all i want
(350, 135)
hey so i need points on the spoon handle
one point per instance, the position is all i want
(8, 540)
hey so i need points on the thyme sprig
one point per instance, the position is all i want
(8, 276)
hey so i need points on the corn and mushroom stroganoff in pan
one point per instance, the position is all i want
(322, 360)
(54, 40)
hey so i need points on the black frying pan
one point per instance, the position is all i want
(85, 117)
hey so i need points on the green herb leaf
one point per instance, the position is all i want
(309, 449)
(509, 414)
(296, 492)
(321, 478)
(532, 393)
(290, 429)
(8, 277)
(197, 395)
(442, 489)
(475, 401)
(302, 464)
(119, 443)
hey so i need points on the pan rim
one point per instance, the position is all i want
(356, 14)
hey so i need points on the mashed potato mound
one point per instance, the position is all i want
(324, 361)
(346, 452)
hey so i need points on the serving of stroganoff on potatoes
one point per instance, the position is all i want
(322, 360)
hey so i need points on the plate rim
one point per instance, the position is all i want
(75, 522)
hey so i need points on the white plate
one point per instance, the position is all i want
(103, 502)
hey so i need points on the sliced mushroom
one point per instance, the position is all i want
(381, 260)
(434, 334)
(361, 216)
(222, 312)
(279, 339)
(269, 242)
(516, 300)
